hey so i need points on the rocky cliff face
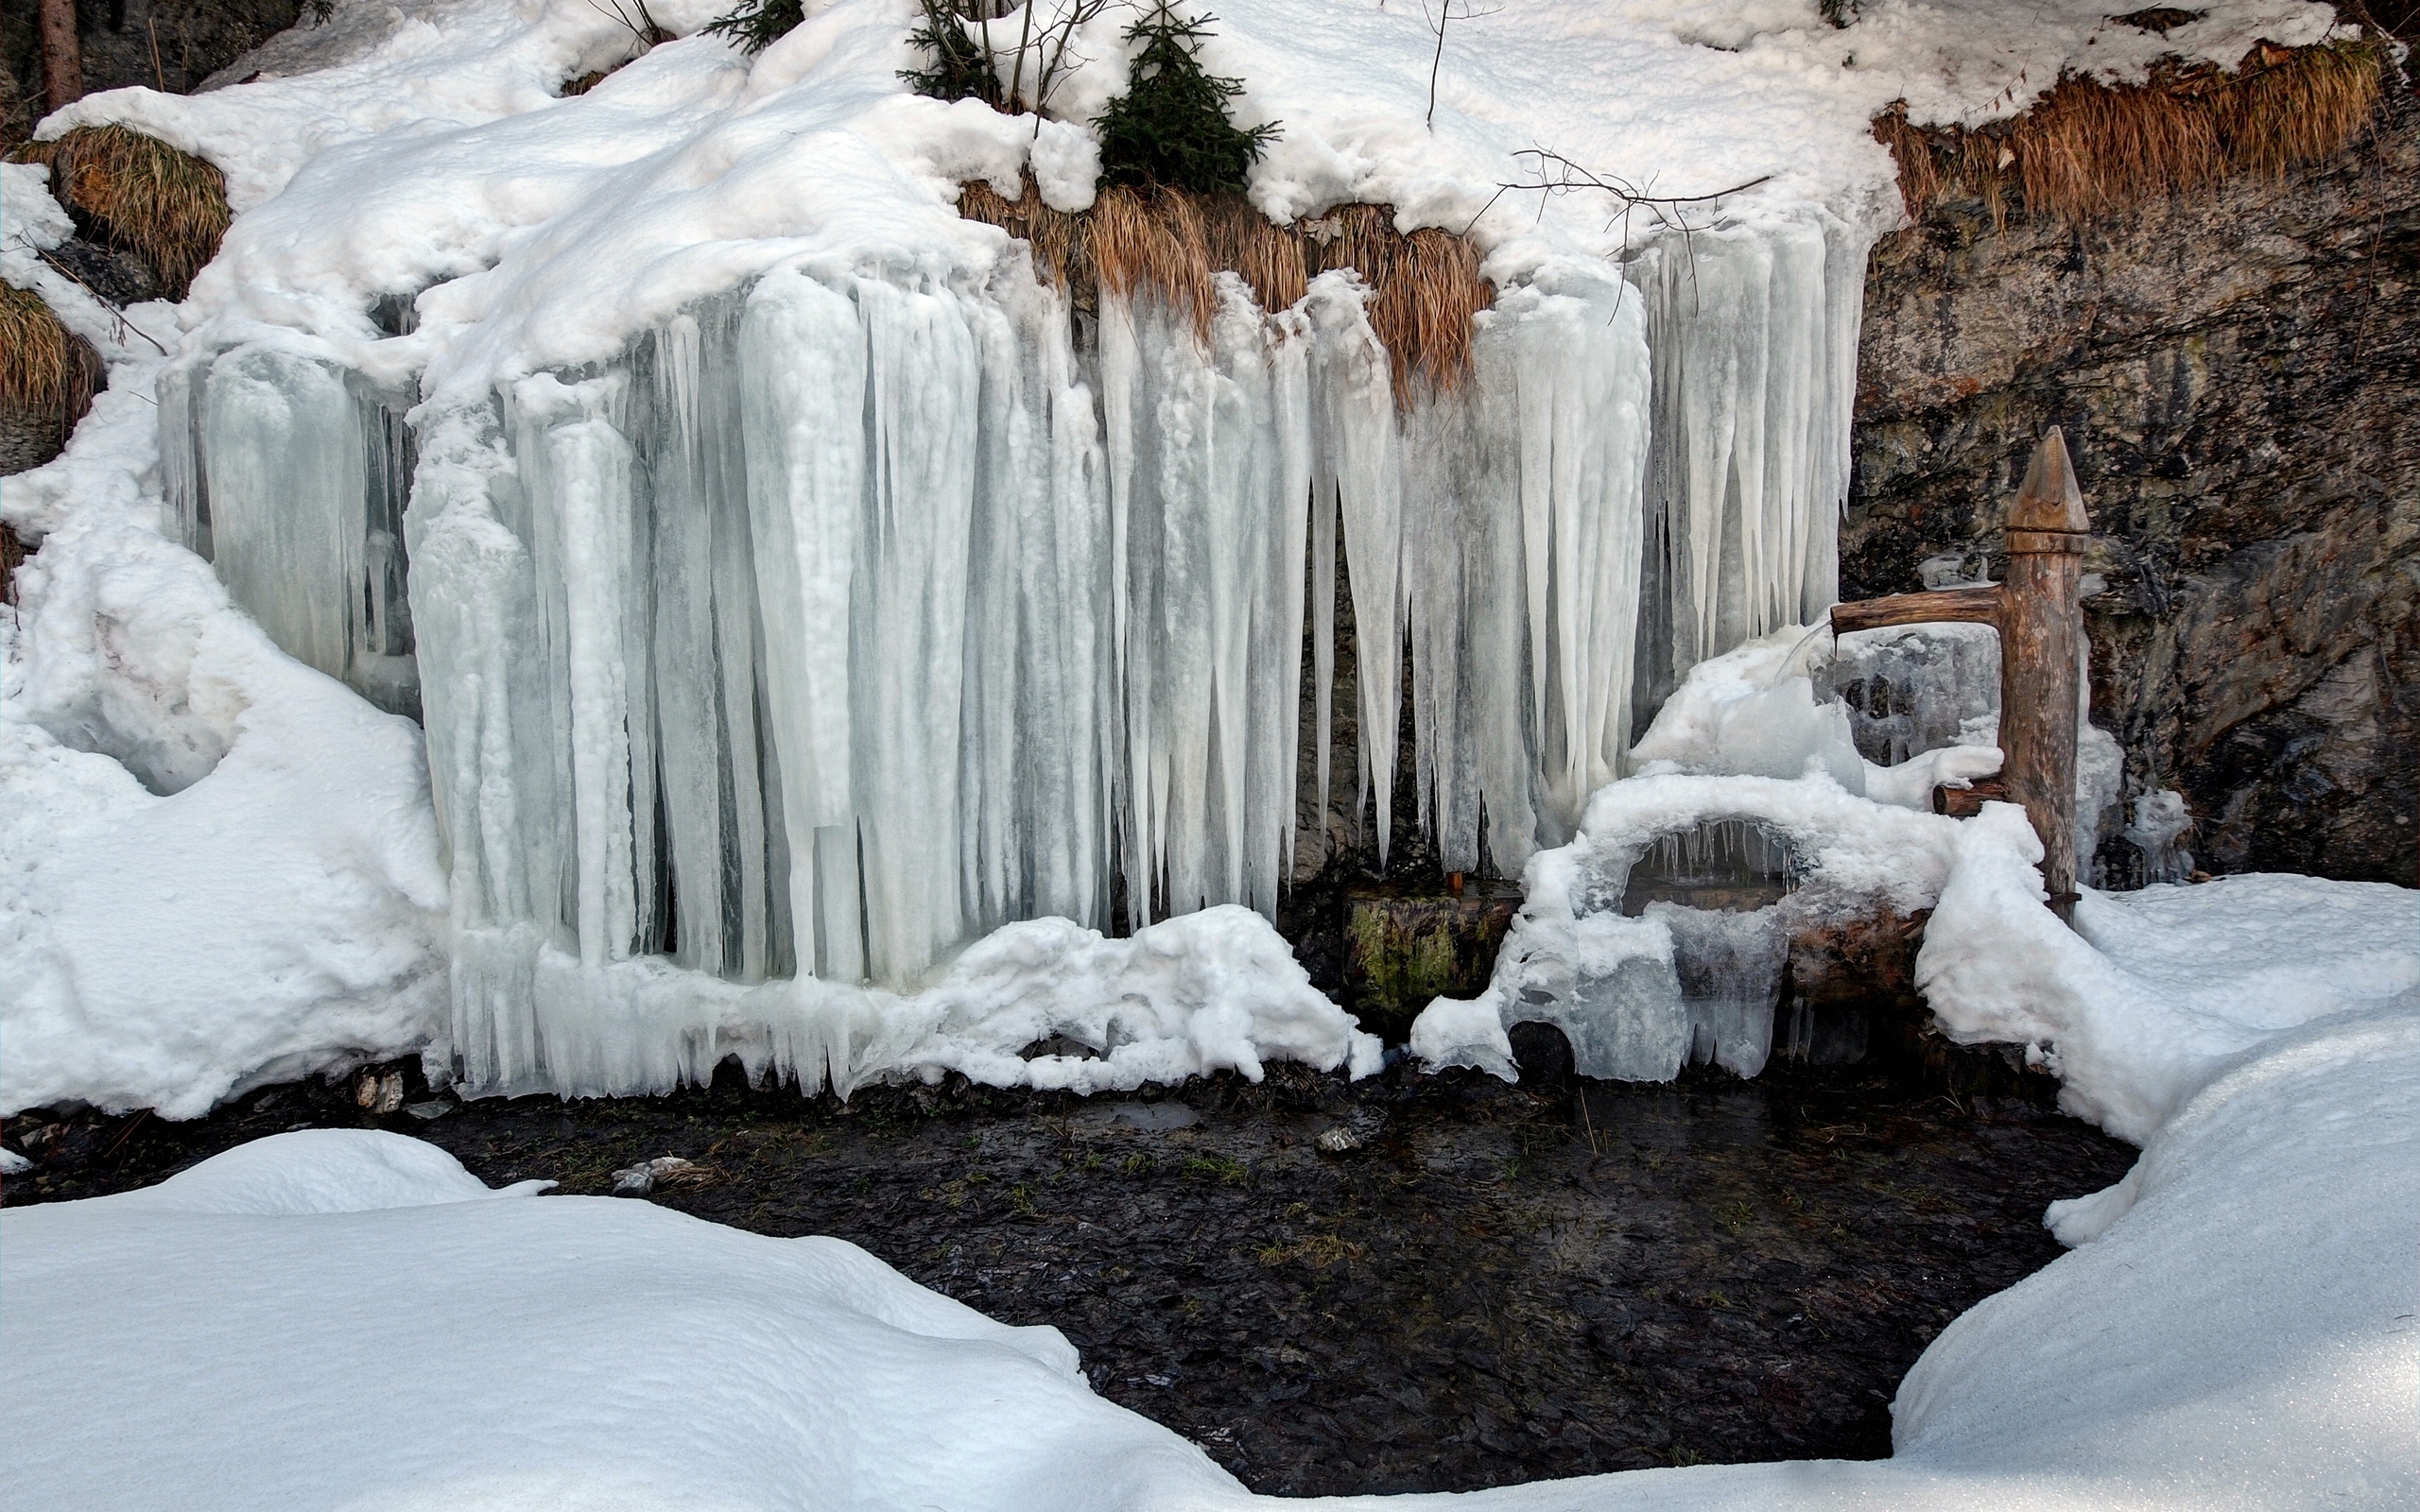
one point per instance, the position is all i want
(2239, 377)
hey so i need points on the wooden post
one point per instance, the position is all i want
(2041, 625)
(2040, 631)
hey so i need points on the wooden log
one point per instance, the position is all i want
(2039, 631)
(1965, 803)
(2040, 625)
(1980, 606)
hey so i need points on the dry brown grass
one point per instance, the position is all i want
(1425, 287)
(2086, 148)
(44, 369)
(168, 207)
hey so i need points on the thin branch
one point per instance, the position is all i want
(1437, 20)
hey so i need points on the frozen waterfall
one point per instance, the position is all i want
(849, 616)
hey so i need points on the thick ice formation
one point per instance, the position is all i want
(1638, 997)
(645, 746)
(2198, 1349)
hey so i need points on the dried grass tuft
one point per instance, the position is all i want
(1425, 286)
(2086, 148)
(45, 370)
(168, 207)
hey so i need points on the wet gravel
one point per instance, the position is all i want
(1410, 1283)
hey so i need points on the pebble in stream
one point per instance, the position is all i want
(1408, 1283)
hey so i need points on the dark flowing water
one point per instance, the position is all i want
(1493, 1284)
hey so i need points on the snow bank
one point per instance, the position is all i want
(2235, 1334)
(2152, 990)
(216, 867)
(347, 1319)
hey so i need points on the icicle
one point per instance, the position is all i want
(1353, 425)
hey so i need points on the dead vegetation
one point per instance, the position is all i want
(1425, 285)
(2086, 148)
(46, 371)
(168, 207)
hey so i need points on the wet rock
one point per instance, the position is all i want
(642, 1179)
(1405, 945)
(2239, 376)
(378, 1092)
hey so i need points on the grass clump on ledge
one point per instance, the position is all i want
(1425, 286)
(45, 370)
(2086, 148)
(168, 207)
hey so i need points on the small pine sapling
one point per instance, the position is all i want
(959, 67)
(1172, 125)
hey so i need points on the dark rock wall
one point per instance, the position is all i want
(166, 45)
(2238, 378)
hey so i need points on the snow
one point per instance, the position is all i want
(349, 1319)
(2153, 990)
(2233, 1332)
(1213, 990)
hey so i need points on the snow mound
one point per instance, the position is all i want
(321, 1170)
(1214, 990)
(318, 1319)
(2240, 1335)
(2152, 990)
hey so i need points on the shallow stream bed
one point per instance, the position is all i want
(1489, 1284)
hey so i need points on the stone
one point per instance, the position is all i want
(664, 1170)
(2238, 376)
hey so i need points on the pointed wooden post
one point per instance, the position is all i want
(2041, 628)
(2040, 619)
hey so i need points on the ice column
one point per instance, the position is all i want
(289, 472)
(1523, 507)
(1209, 448)
(1754, 333)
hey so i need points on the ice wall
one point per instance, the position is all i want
(848, 617)
(290, 473)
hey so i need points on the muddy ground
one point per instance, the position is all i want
(1493, 1284)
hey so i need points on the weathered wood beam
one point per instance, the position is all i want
(1980, 605)
(2040, 637)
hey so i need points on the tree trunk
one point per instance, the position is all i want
(63, 59)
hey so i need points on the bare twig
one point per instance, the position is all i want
(1437, 20)
(117, 312)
